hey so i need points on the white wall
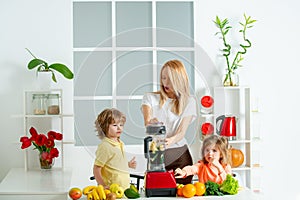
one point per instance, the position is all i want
(270, 68)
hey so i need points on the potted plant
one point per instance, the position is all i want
(43, 66)
(228, 52)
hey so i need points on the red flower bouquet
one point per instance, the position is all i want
(45, 144)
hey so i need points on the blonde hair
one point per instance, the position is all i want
(180, 83)
(107, 117)
(221, 143)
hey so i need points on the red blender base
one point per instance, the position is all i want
(160, 184)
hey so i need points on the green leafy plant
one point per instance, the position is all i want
(230, 185)
(224, 27)
(41, 65)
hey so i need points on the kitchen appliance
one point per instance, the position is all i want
(158, 181)
(226, 126)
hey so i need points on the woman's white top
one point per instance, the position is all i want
(165, 115)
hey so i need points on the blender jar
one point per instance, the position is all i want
(155, 147)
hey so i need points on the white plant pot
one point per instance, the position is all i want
(44, 79)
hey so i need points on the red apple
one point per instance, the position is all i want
(75, 193)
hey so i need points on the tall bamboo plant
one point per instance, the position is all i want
(224, 27)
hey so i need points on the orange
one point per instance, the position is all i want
(189, 190)
(200, 188)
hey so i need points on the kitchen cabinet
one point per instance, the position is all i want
(235, 101)
(43, 109)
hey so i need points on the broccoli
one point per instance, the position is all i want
(230, 185)
(212, 188)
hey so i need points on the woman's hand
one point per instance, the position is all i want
(154, 121)
(169, 141)
(132, 163)
(180, 173)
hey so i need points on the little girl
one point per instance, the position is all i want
(111, 164)
(215, 163)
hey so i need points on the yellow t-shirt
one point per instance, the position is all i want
(111, 157)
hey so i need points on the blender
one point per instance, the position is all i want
(158, 181)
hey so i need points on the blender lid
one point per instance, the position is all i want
(156, 129)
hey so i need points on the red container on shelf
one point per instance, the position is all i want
(207, 128)
(207, 103)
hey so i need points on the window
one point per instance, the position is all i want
(119, 48)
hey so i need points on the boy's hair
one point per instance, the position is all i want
(222, 144)
(180, 82)
(107, 117)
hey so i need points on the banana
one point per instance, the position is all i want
(95, 194)
(88, 189)
(100, 190)
(89, 196)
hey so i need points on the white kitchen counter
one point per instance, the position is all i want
(55, 184)
(19, 184)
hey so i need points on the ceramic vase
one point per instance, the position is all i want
(44, 79)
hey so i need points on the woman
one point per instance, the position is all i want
(173, 106)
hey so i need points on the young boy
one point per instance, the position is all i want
(111, 165)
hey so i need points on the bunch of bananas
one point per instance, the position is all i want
(93, 192)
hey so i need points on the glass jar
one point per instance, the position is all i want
(39, 104)
(230, 79)
(53, 104)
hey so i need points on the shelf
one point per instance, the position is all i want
(43, 109)
(232, 87)
(239, 141)
(235, 101)
(42, 116)
(241, 168)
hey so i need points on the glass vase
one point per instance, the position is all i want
(230, 79)
(45, 162)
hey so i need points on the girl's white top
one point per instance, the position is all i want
(165, 115)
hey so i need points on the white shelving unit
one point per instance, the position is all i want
(43, 123)
(235, 101)
(32, 182)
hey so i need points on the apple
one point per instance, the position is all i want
(75, 193)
